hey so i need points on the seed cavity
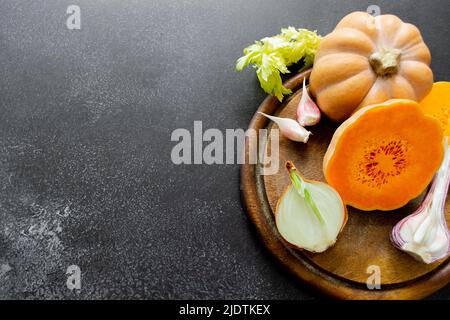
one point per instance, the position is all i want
(382, 161)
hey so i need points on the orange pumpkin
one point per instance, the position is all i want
(368, 60)
(437, 105)
(384, 155)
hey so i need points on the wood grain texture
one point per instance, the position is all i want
(341, 271)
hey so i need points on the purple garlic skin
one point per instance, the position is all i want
(290, 128)
(424, 234)
(308, 113)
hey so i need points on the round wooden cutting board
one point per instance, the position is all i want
(362, 249)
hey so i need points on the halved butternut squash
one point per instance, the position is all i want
(384, 155)
(437, 105)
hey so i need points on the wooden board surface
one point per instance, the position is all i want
(343, 270)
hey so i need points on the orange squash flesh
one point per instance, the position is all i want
(384, 155)
(437, 105)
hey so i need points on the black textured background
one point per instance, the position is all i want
(85, 124)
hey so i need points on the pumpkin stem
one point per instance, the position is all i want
(385, 62)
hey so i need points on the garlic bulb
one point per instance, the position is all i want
(308, 113)
(289, 128)
(424, 234)
(310, 214)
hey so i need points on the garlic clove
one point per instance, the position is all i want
(424, 234)
(308, 113)
(310, 214)
(289, 128)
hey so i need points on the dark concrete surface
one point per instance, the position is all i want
(85, 123)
